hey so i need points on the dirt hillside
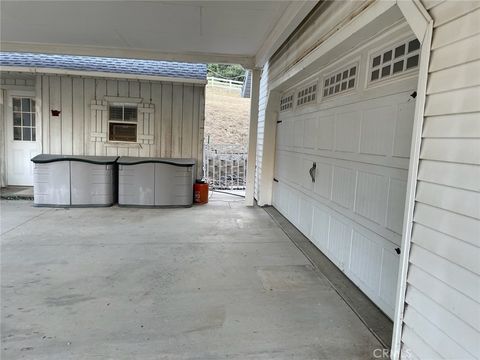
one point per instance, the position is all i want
(227, 117)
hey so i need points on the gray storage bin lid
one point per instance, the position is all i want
(130, 160)
(97, 160)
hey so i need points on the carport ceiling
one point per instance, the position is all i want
(220, 31)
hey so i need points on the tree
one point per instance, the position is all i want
(230, 72)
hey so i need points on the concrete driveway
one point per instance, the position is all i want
(210, 282)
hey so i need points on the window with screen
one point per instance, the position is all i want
(24, 123)
(122, 124)
(395, 60)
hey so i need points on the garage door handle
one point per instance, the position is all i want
(312, 171)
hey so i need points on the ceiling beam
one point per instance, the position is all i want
(63, 49)
(288, 22)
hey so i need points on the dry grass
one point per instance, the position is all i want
(227, 117)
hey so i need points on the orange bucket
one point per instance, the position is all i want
(200, 191)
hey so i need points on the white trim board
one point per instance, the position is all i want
(290, 20)
(246, 61)
(413, 16)
(101, 74)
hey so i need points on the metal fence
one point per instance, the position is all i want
(225, 166)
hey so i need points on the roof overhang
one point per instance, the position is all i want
(101, 74)
(241, 32)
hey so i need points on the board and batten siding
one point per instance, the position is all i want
(442, 305)
(171, 117)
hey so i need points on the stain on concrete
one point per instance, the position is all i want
(67, 300)
(212, 318)
(289, 277)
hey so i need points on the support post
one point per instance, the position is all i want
(252, 137)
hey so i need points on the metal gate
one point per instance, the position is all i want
(225, 166)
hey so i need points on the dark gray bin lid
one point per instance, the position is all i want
(97, 160)
(130, 160)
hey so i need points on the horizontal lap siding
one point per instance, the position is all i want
(262, 106)
(177, 120)
(442, 315)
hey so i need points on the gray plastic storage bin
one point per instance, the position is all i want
(155, 181)
(66, 180)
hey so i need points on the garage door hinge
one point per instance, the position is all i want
(276, 180)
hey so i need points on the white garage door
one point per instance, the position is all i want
(343, 142)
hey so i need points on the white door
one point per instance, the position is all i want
(342, 155)
(21, 136)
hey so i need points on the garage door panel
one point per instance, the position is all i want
(292, 206)
(310, 133)
(339, 242)
(396, 205)
(298, 134)
(321, 228)
(307, 182)
(323, 180)
(305, 216)
(377, 130)
(366, 261)
(388, 281)
(403, 129)
(324, 183)
(325, 132)
(347, 131)
(371, 196)
(343, 189)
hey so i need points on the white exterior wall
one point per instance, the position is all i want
(262, 107)
(2, 141)
(175, 128)
(442, 305)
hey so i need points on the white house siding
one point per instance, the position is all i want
(2, 141)
(262, 106)
(442, 310)
(175, 127)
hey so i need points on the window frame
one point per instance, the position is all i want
(392, 46)
(313, 94)
(33, 117)
(339, 71)
(120, 122)
(289, 102)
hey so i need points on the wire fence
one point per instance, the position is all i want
(225, 166)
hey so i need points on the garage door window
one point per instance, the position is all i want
(395, 60)
(307, 95)
(340, 81)
(286, 102)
